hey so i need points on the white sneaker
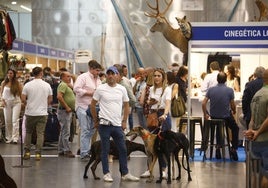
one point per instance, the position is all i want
(164, 175)
(108, 178)
(129, 177)
(146, 174)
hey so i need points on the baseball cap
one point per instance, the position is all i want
(113, 69)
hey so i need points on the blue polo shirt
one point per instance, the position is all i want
(220, 97)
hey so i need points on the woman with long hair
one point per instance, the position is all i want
(11, 92)
(172, 84)
(160, 98)
(232, 80)
(159, 101)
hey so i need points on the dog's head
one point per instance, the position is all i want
(135, 131)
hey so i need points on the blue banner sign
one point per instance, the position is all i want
(17, 45)
(42, 50)
(230, 33)
(30, 48)
(53, 53)
(70, 56)
(62, 54)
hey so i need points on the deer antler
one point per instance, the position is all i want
(158, 13)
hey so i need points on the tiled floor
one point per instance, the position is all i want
(59, 172)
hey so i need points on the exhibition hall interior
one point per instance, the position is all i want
(67, 34)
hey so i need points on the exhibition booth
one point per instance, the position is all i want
(245, 45)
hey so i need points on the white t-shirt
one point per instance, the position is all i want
(157, 94)
(111, 102)
(37, 92)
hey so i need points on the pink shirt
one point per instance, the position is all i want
(84, 83)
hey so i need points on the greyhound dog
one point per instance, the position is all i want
(96, 154)
(168, 142)
(149, 140)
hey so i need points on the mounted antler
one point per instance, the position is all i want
(157, 9)
(174, 36)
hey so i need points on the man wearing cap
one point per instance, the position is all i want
(111, 122)
(84, 87)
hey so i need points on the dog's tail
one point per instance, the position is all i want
(187, 158)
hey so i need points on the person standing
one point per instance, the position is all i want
(250, 89)
(222, 106)
(171, 81)
(84, 87)
(210, 79)
(66, 106)
(125, 82)
(137, 90)
(232, 80)
(159, 101)
(258, 126)
(111, 123)
(37, 95)
(182, 81)
(11, 101)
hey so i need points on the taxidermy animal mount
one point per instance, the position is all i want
(178, 37)
(263, 10)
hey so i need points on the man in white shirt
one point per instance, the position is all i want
(37, 95)
(210, 79)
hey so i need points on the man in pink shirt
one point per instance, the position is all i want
(84, 88)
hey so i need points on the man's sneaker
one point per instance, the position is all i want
(129, 177)
(27, 156)
(108, 178)
(85, 158)
(146, 174)
(164, 175)
(37, 156)
(69, 154)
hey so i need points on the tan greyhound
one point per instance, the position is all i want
(148, 139)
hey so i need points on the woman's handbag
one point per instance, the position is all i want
(178, 107)
(152, 120)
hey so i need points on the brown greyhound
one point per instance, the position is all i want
(148, 139)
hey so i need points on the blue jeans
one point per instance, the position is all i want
(105, 132)
(260, 150)
(87, 131)
(130, 119)
(65, 124)
(166, 124)
(141, 117)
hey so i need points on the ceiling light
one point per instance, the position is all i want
(13, 2)
(26, 8)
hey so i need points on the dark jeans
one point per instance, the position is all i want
(231, 123)
(116, 132)
(260, 150)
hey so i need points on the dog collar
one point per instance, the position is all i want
(145, 136)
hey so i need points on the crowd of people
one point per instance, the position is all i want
(104, 102)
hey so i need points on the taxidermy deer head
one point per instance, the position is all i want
(178, 37)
